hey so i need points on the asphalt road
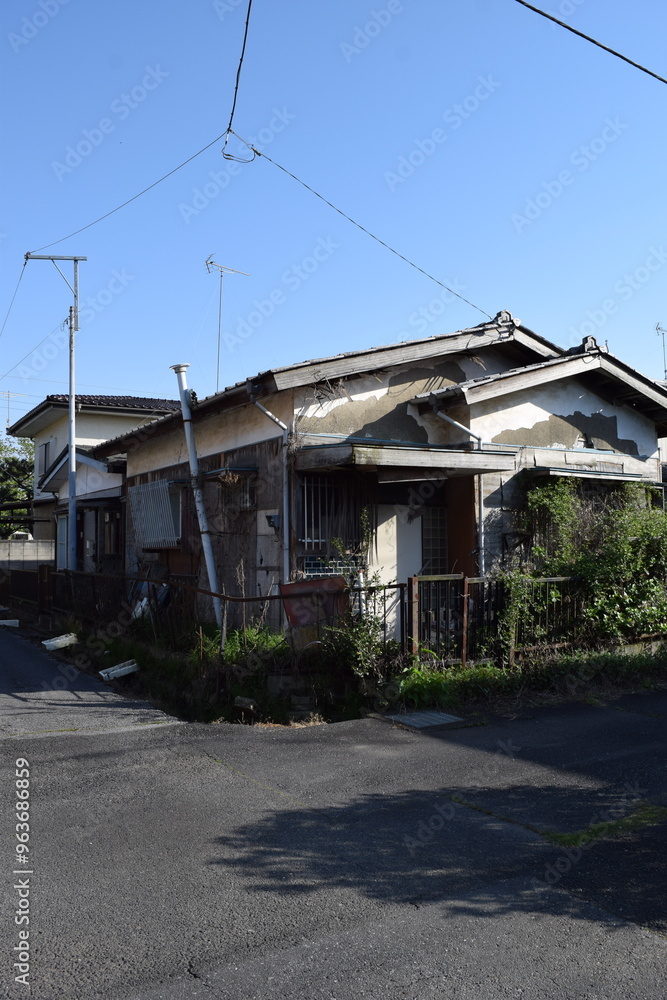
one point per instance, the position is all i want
(355, 860)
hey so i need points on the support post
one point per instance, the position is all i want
(413, 614)
(464, 637)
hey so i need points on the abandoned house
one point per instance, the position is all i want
(426, 446)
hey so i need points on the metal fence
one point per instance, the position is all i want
(452, 617)
(459, 619)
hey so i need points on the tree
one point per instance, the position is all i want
(16, 481)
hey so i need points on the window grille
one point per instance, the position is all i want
(156, 514)
(434, 540)
(319, 495)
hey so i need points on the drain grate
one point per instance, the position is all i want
(424, 720)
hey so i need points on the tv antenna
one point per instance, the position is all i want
(9, 396)
(222, 271)
(662, 332)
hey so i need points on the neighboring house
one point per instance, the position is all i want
(435, 439)
(98, 484)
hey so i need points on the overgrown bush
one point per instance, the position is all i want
(613, 543)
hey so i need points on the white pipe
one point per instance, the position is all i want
(461, 427)
(200, 507)
(481, 561)
(286, 503)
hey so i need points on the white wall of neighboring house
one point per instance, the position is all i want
(91, 429)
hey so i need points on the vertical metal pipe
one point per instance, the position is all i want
(71, 499)
(286, 507)
(200, 507)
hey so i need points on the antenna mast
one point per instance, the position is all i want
(662, 332)
(222, 270)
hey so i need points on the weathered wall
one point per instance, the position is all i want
(377, 406)
(222, 432)
(564, 415)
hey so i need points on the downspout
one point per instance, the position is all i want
(197, 491)
(481, 562)
(286, 504)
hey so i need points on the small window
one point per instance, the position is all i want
(43, 458)
(156, 514)
(111, 533)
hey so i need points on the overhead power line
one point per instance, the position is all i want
(362, 228)
(13, 297)
(133, 198)
(593, 41)
(228, 156)
(33, 349)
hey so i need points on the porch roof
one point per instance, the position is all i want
(422, 461)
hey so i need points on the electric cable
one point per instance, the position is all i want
(588, 38)
(362, 228)
(229, 156)
(33, 349)
(134, 197)
(13, 297)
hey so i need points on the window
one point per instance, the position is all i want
(111, 533)
(434, 540)
(156, 514)
(43, 458)
(318, 502)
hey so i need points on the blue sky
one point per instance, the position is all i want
(513, 161)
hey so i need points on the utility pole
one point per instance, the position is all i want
(222, 271)
(73, 327)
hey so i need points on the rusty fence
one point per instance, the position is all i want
(453, 618)
(460, 619)
(171, 607)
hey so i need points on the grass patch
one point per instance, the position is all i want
(643, 815)
(589, 677)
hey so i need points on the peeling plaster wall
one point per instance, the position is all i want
(551, 424)
(376, 406)
(560, 415)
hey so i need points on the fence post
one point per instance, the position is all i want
(464, 637)
(413, 614)
(44, 589)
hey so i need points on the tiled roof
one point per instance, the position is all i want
(118, 402)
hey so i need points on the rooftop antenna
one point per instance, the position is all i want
(662, 332)
(222, 270)
(9, 395)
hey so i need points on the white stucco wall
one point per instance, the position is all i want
(528, 407)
